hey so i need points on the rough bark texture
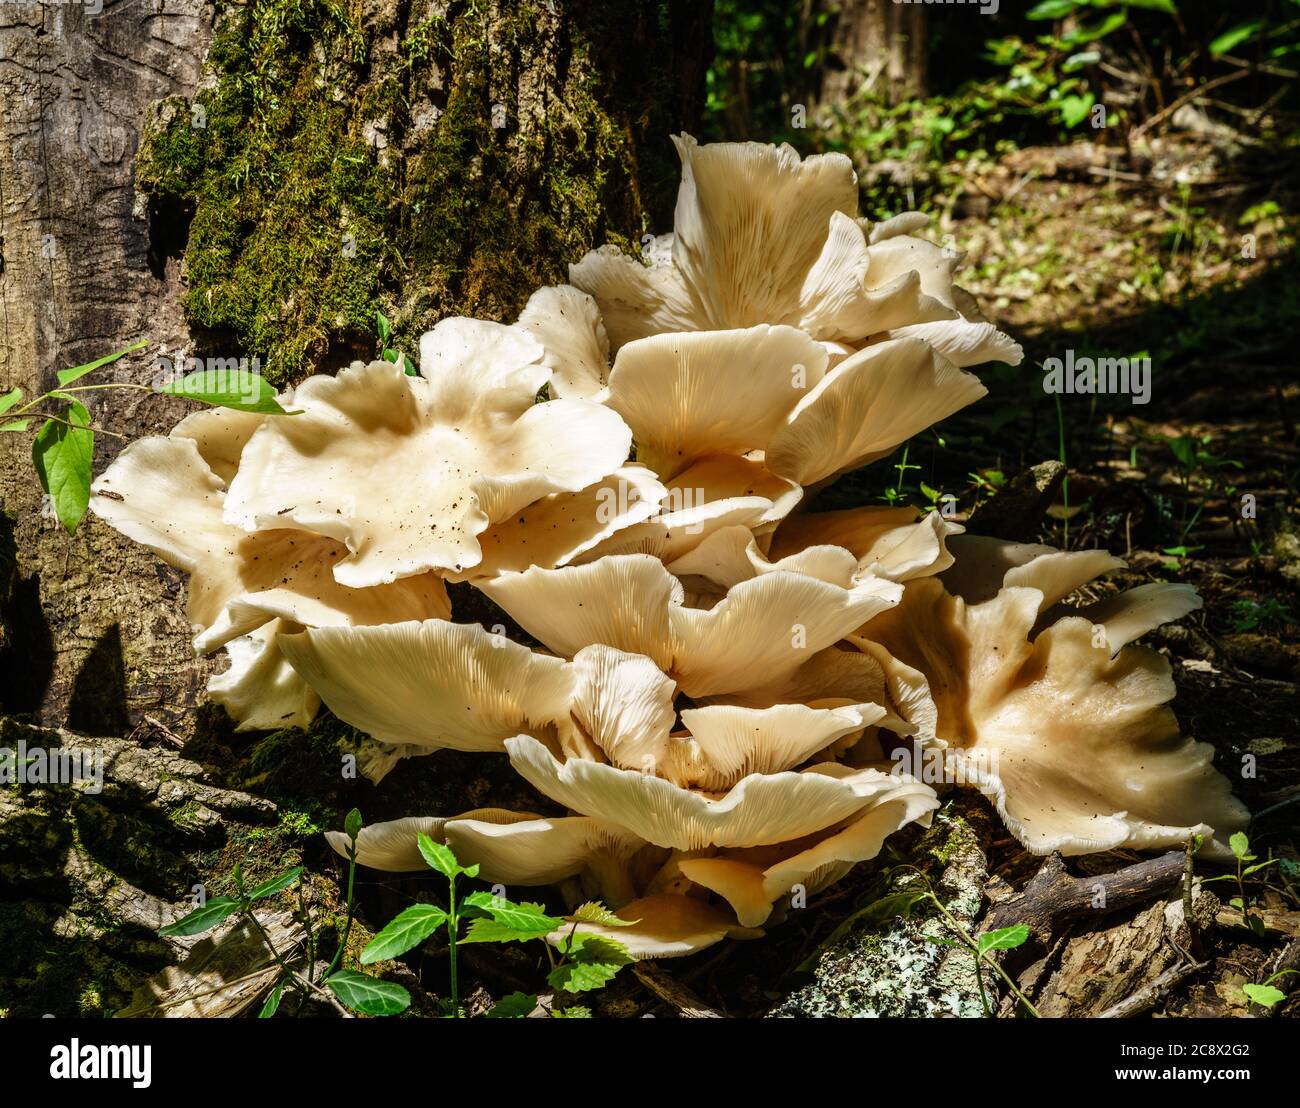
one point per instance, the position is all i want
(254, 181)
(875, 46)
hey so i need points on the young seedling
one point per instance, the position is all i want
(386, 351)
(587, 961)
(357, 991)
(1247, 864)
(1267, 994)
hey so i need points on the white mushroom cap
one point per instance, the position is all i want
(763, 237)
(689, 395)
(394, 845)
(163, 493)
(752, 880)
(566, 322)
(758, 810)
(259, 689)
(433, 684)
(867, 405)
(409, 471)
(1073, 744)
(667, 926)
(763, 629)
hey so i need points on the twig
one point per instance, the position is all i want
(673, 993)
(1153, 993)
(1187, 98)
(168, 733)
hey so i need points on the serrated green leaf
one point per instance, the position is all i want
(513, 1007)
(1004, 938)
(581, 977)
(272, 1002)
(1240, 845)
(404, 932)
(438, 856)
(353, 824)
(9, 399)
(595, 912)
(61, 455)
(528, 917)
(573, 1012)
(276, 884)
(17, 425)
(227, 388)
(67, 376)
(485, 929)
(368, 995)
(203, 919)
(1266, 995)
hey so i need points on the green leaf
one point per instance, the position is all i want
(1235, 36)
(203, 919)
(1053, 9)
(574, 1012)
(1004, 938)
(512, 1007)
(488, 930)
(16, 425)
(62, 454)
(580, 977)
(385, 328)
(404, 932)
(368, 995)
(9, 399)
(595, 912)
(227, 388)
(1257, 866)
(1240, 845)
(438, 856)
(530, 917)
(1074, 109)
(67, 376)
(272, 1002)
(352, 825)
(1266, 995)
(270, 888)
(1166, 6)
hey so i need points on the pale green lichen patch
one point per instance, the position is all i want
(893, 966)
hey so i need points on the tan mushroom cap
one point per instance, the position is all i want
(1074, 745)
(759, 809)
(567, 324)
(163, 494)
(394, 846)
(761, 630)
(751, 881)
(259, 689)
(764, 237)
(689, 395)
(409, 471)
(867, 405)
(431, 685)
(561, 528)
(667, 926)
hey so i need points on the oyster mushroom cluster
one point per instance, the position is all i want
(726, 699)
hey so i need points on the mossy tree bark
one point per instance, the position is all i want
(255, 181)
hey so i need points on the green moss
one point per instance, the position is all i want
(321, 189)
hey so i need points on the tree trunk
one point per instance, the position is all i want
(875, 47)
(254, 181)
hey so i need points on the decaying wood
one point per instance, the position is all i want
(221, 974)
(1276, 922)
(674, 993)
(1053, 895)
